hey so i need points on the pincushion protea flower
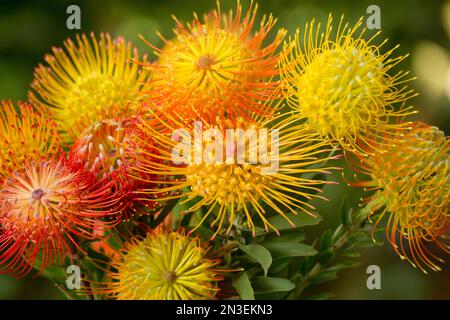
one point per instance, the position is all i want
(235, 191)
(25, 135)
(46, 209)
(165, 265)
(216, 65)
(89, 81)
(104, 149)
(340, 83)
(412, 183)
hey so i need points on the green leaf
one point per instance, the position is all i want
(321, 296)
(168, 207)
(279, 265)
(54, 272)
(366, 243)
(324, 277)
(351, 254)
(326, 256)
(326, 240)
(338, 233)
(360, 239)
(346, 213)
(259, 254)
(263, 285)
(299, 220)
(204, 232)
(306, 264)
(289, 249)
(243, 286)
(343, 265)
(287, 236)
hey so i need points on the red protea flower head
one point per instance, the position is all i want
(25, 135)
(412, 183)
(217, 64)
(45, 210)
(104, 150)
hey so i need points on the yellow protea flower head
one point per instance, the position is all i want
(88, 81)
(217, 64)
(25, 135)
(340, 83)
(165, 265)
(239, 174)
(412, 183)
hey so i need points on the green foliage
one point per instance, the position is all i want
(286, 267)
(259, 254)
(243, 286)
(267, 285)
(280, 250)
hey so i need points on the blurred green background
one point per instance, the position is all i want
(29, 29)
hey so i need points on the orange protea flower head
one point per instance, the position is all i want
(88, 81)
(217, 64)
(45, 208)
(341, 84)
(250, 172)
(104, 149)
(25, 135)
(165, 265)
(412, 183)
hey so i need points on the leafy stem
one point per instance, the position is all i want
(322, 267)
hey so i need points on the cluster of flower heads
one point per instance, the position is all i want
(93, 147)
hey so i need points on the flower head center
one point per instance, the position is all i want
(227, 183)
(96, 87)
(37, 194)
(170, 277)
(205, 62)
(112, 152)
